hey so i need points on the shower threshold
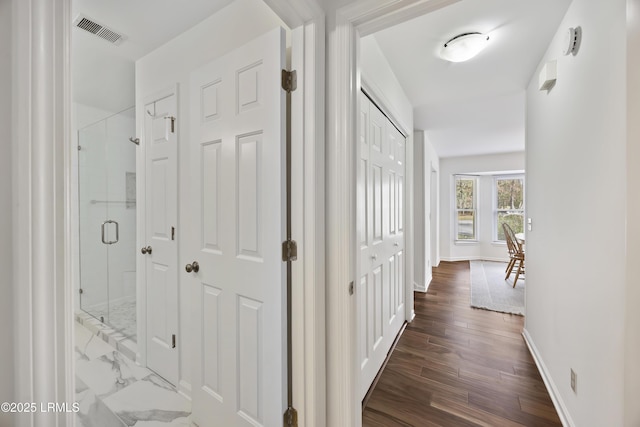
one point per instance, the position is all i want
(111, 336)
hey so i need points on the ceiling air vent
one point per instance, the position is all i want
(99, 30)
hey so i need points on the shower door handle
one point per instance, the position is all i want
(110, 242)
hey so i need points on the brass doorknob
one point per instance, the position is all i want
(146, 250)
(194, 266)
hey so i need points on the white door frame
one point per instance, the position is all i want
(41, 143)
(345, 28)
(42, 237)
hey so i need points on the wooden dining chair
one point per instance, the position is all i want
(516, 253)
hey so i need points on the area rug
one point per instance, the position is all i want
(490, 291)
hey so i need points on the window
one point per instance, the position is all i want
(509, 203)
(466, 214)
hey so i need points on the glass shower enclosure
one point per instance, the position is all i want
(107, 212)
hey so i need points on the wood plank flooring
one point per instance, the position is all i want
(459, 366)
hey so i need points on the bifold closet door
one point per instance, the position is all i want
(380, 209)
(238, 297)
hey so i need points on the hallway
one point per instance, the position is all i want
(459, 366)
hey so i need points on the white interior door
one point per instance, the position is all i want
(381, 174)
(237, 147)
(161, 209)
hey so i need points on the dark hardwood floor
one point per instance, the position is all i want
(459, 366)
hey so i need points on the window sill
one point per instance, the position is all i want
(499, 243)
(466, 242)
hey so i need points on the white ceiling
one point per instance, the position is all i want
(103, 73)
(474, 107)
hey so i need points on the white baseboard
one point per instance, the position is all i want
(184, 388)
(561, 408)
(422, 288)
(475, 258)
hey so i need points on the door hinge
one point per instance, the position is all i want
(290, 417)
(81, 291)
(289, 80)
(289, 250)
(173, 233)
(352, 288)
(173, 123)
(173, 341)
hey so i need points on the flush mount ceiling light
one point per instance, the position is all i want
(464, 47)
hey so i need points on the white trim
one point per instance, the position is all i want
(342, 382)
(556, 398)
(423, 288)
(43, 294)
(308, 294)
(370, 16)
(296, 13)
(409, 240)
(184, 389)
(382, 102)
(308, 211)
(349, 23)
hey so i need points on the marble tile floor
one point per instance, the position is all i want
(113, 391)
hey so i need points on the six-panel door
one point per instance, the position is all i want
(238, 298)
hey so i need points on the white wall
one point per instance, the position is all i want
(485, 248)
(378, 77)
(170, 64)
(576, 154)
(6, 224)
(632, 338)
(425, 160)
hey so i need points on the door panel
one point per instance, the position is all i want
(161, 216)
(380, 227)
(211, 340)
(237, 146)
